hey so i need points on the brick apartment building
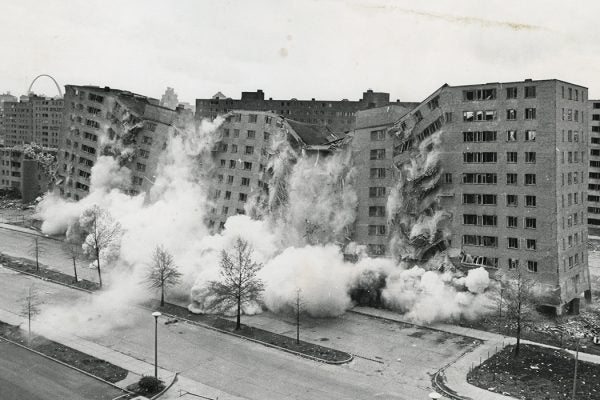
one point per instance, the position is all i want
(593, 115)
(104, 121)
(4, 97)
(512, 173)
(34, 119)
(339, 116)
(21, 175)
(242, 155)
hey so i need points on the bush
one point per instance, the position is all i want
(149, 384)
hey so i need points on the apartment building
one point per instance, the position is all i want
(339, 116)
(22, 174)
(511, 174)
(593, 196)
(4, 97)
(33, 119)
(104, 121)
(241, 157)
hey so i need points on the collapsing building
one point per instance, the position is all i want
(488, 172)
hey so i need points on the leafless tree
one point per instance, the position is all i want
(30, 307)
(238, 283)
(518, 300)
(103, 234)
(298, 308)
(74, 251)
(163, 272)
(36, 249)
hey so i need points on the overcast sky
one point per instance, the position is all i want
(324, 49)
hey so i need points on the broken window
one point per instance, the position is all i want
(512, 200)
(513, 263)
(530, 113)
(530, 136)
(468, 116)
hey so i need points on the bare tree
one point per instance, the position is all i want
(519, 300)
(298, 307)
(74, 251)
(238, 283)
(163, 272)
(36, 249)
(30, 307)
(103, 234)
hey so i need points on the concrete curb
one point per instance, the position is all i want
(66, 365)
(156, 396)
(47, 279)
(351, 357)
(438, 387)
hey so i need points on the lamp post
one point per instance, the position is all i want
(156, 314)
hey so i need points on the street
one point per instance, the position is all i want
(25, 375)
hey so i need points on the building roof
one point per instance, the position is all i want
(312, 134)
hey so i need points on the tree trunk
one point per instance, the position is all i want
(518, 338)
(98, 264)
(75, 269)
(37, 257)
(238, 324)
(162, 295)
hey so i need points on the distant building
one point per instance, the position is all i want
(33, 119)
(22, 174)
(339, 116)
(593, 195)
(494, 173)
(4, 97)
(103, 121)
(169, 99)
(242, 154)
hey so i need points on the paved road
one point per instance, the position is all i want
(27, 376)
(253, 371)
(17, 244)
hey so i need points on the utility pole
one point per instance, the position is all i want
(575, 372)
(298, 316)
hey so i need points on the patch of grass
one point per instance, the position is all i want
(538, 373)
(85, 362)
(261, 335)
(24, 265)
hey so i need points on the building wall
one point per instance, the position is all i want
(94, 117)
(32, 120)
(339, 116)
(593, 116)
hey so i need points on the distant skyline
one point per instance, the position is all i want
(325, 49)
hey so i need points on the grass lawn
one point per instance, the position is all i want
(538, 374)
(309, 349)
(87, 363)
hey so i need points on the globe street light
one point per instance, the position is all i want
(156, 314)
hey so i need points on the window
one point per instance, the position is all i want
(377, 230)
(418, 116)
(243, 197)
(236, 133)
(468, 116)
(512, 200)
(434, 103)
(511, 114)
(469, 219)
(511, 179)
(230, 179)
(529, 92)
(377, 154)
(512, 222)
(530, 113)
(447, 177)
(225, 210)
(479, 136)
(145, 140)
(513, 243)
(530, 157)
(378, 135)
(512, 263)
(479, 94)
(143, 153)
(479, 178)
(511, 136)
(511, 157)
(483, 241)
(530, 223)
(530, 244)
(140, 167)
(377, 173)
(483, 199)
(245, 181)
(252, 118)
(376, 249)
(376, 211)
(223, 163)
(251, 134)
(234, 148)
(247, 166)
(530, 201)
(530, 136)
(266, 136)
(227, 195)
(532, 266)
(511, 93)
(249, 150)
(480, 157)
(530, 179)
(376, 192)
(232, 164)
(226, 133)
(489, 220)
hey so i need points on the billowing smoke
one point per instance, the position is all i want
(297, 231)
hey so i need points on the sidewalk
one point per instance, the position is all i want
(456, 373)
(23, 230)
(136, 367)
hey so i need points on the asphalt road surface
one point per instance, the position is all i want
(25, 375)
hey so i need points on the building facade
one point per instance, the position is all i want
(132, 128)
(23, 173)
(4, 97)
(497, 173)
(33, 119)
(593, 116)
(339, 116)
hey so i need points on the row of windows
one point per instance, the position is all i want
(244, 181)
(572, 198)
(512, 200)
(492, 220)
(243, 197)
(250, 134)
(492, 178)
(487, 157)
(492, 115)
(246, 165)
(492, 241)
(574, 177)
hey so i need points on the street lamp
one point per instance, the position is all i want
(156, 314)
